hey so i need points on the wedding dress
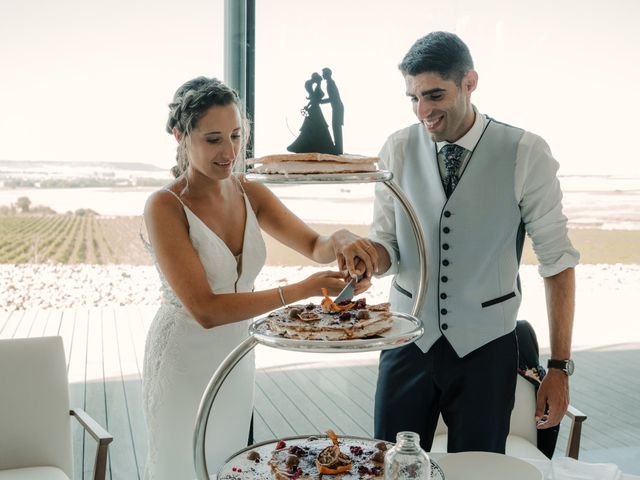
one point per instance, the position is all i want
(181, 356)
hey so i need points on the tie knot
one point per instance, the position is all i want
(452, 155)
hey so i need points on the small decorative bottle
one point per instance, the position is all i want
(406, 460)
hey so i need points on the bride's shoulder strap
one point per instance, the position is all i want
(142, 230)
(239, 178)
(174, 194)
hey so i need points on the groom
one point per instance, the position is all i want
(476, 185)
(337, 109)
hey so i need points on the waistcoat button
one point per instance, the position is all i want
(445, 246)
(445, 262)
(443, 311)
(447, 213)
(443, 296)
(444, 278)
(445, 326)
(446, 230)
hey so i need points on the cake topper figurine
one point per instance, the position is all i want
(337, 109)
(314, 132)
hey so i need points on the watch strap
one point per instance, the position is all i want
(564, 365)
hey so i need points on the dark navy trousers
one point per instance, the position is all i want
(475, 394)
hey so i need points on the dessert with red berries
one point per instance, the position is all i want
(318, 457)
(330, 321)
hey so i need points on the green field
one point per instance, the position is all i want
(71, 239)
(93, 239)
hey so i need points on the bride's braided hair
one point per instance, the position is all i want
(190, 102)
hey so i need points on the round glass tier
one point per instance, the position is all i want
(239, 466)
(366, 177)
(406, 329)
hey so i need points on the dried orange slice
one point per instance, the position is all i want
(333, 471)
(328, 305)
(328, 456)
(331, 460)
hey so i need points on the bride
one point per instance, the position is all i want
(204, 231)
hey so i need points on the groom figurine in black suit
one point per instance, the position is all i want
(337, 109)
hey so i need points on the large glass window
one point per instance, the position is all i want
(90, 81)
(561, 69)
(564, 70)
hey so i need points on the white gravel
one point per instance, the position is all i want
(28, 286)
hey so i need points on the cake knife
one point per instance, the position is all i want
(348, 291)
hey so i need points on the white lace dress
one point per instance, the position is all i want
(181, 356)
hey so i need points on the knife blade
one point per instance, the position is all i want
(348, 291)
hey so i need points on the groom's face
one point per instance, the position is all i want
(443, 107)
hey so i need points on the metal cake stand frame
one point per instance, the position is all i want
(407, 328)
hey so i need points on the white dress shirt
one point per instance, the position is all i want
(536, 187)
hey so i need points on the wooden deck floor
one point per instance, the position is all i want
(104, 348)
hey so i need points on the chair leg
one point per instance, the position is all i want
(573, 443)
(101, 436)
(100, 467)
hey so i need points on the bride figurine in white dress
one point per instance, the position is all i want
(204, 231)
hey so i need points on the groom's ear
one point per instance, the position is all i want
(470, 81)
(177, 134)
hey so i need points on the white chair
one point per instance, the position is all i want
(35, 425)
(522, 439)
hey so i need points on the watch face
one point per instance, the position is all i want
(570, 367)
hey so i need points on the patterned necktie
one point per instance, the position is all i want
(452, 154)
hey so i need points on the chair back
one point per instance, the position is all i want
(523, 421)
(34, 404)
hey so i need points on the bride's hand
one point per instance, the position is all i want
(333, 281)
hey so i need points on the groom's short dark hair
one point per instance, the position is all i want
(443, 53)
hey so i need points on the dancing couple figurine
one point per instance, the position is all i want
(314, 132)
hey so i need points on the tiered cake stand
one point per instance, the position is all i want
(406, 329)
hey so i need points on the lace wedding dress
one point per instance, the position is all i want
(181, 356)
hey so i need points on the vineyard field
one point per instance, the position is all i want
(106, 240)
(72, 239)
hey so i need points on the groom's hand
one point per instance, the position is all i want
(552, 400)
(356, 255)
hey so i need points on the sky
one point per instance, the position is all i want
(84, 81)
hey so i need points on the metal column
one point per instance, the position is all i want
(239, 54)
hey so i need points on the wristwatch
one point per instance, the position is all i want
(567, 366)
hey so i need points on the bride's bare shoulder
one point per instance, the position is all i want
(164, 202)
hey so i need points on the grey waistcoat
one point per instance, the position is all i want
(474, 241)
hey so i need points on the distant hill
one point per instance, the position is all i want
(55, 165)
(60, 174)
